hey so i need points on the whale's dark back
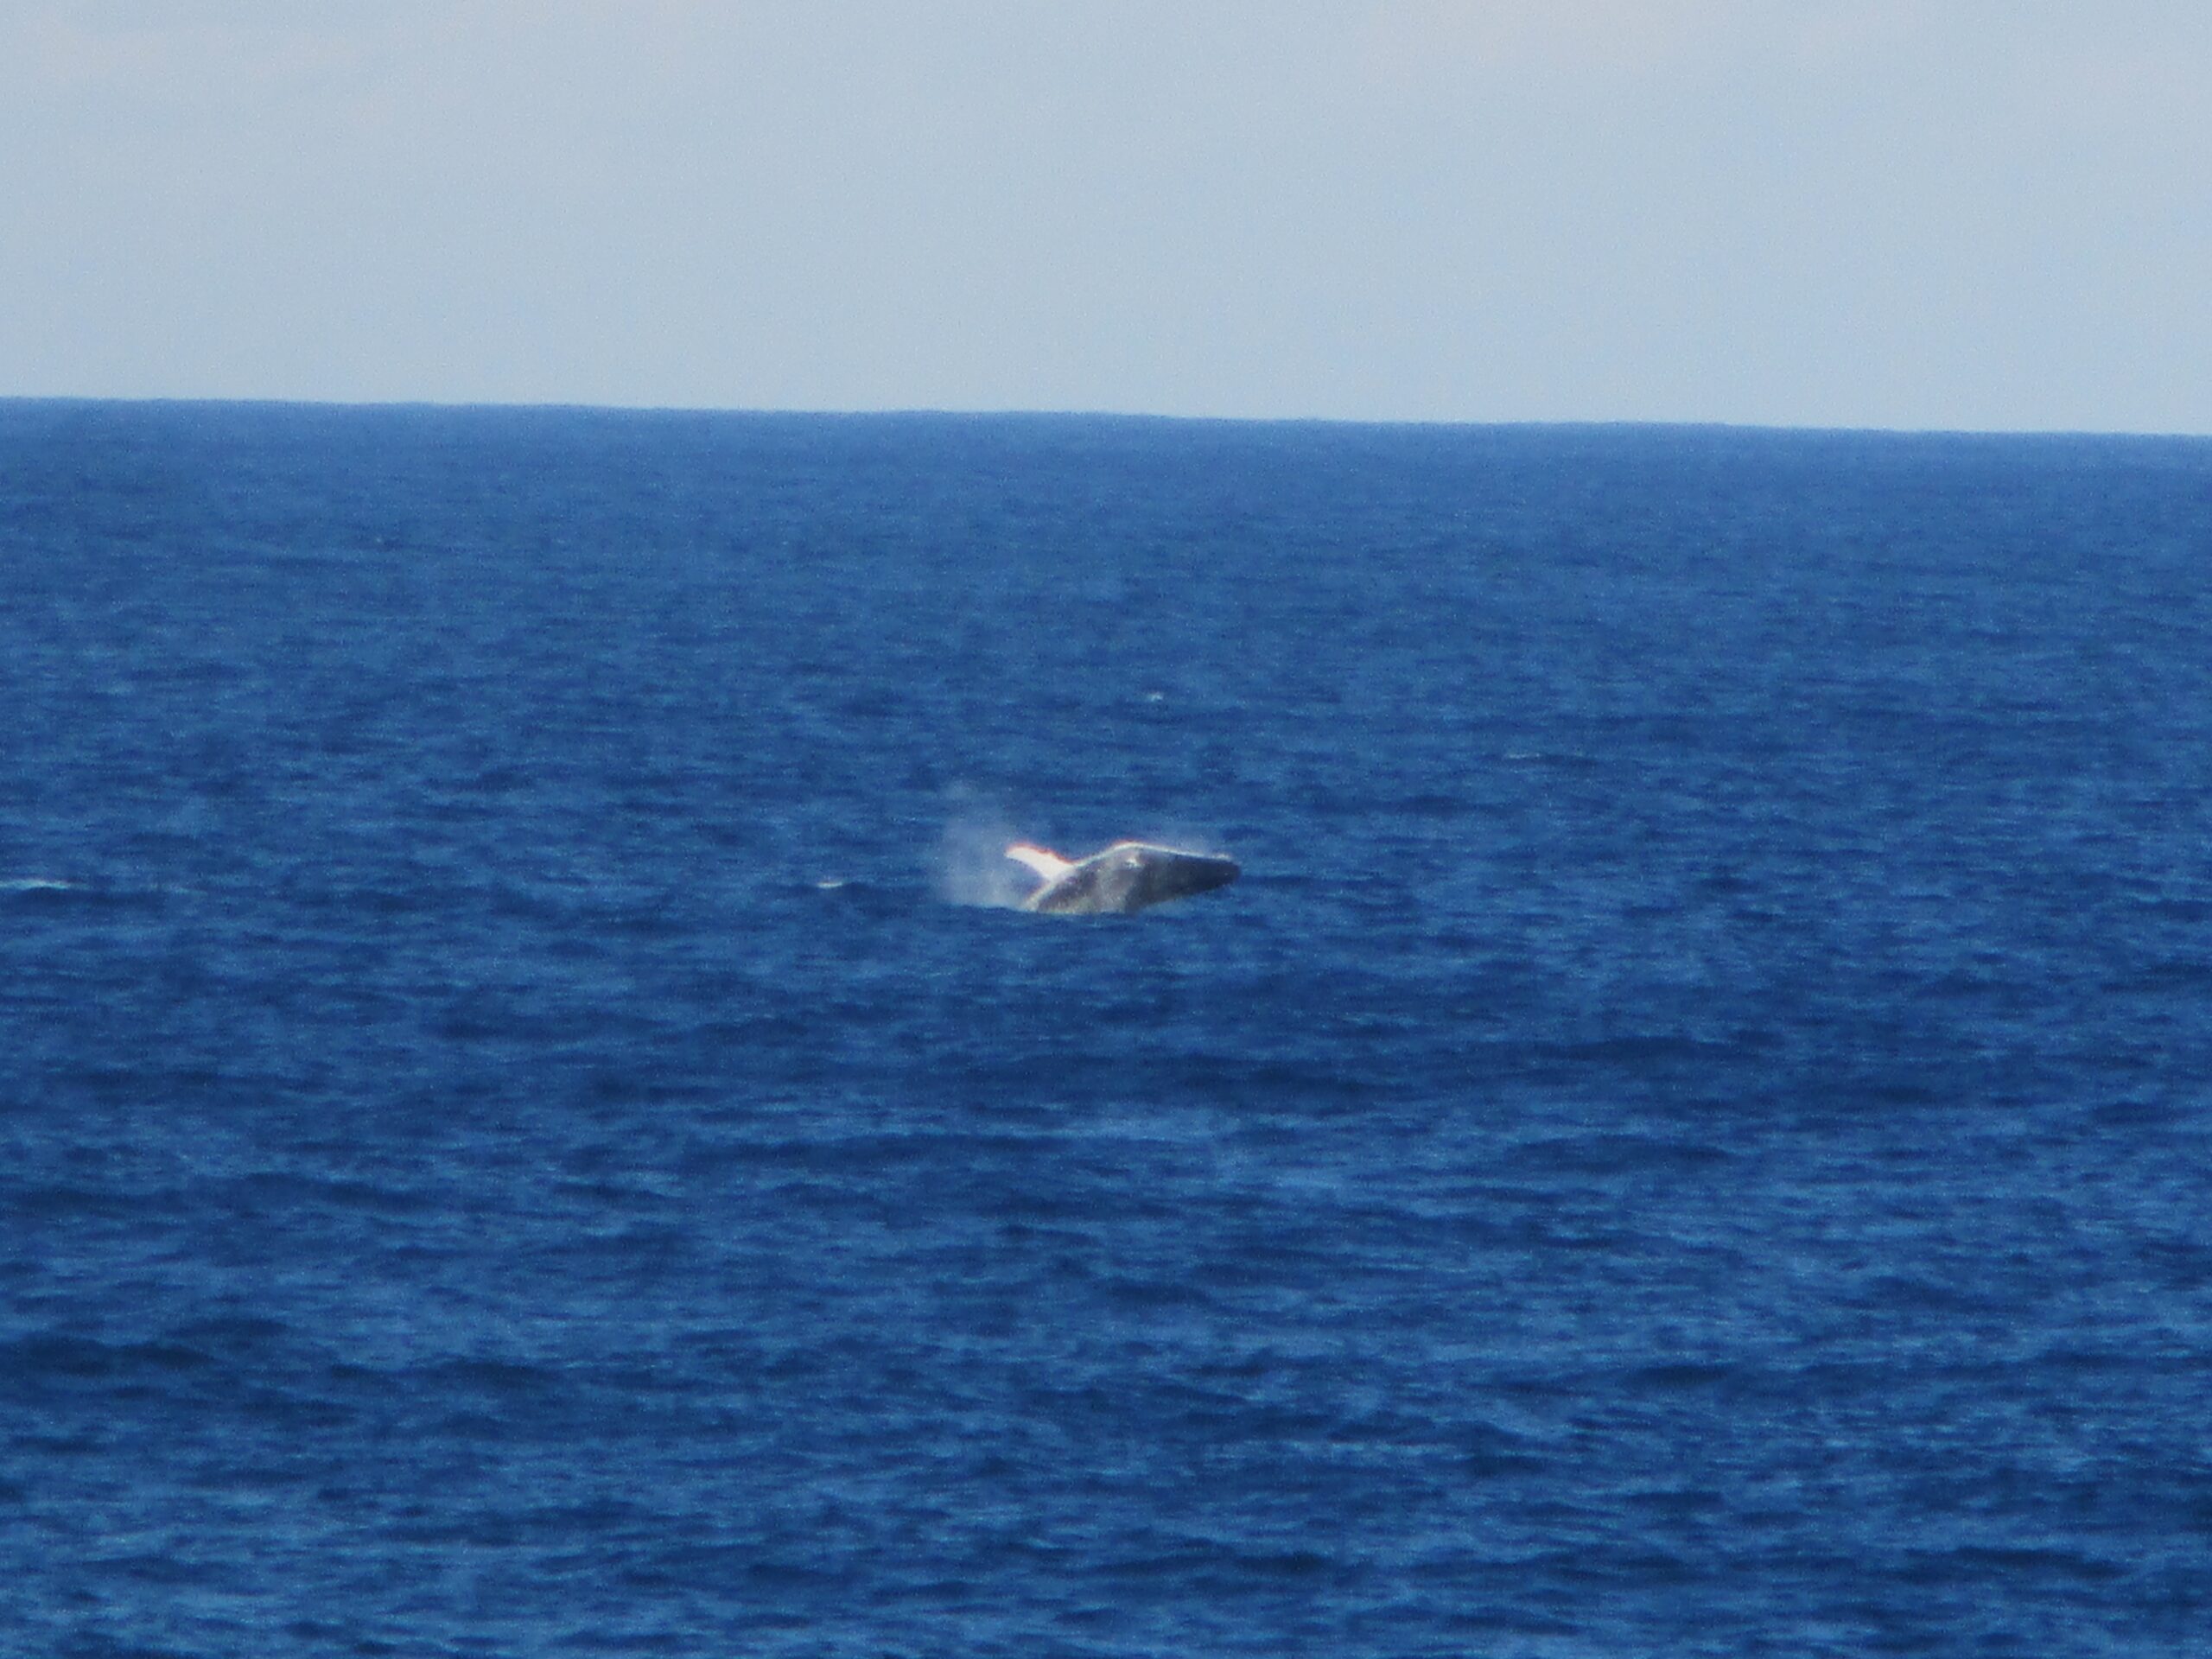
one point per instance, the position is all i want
(1133, 875)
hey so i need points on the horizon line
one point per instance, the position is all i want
(923, 412)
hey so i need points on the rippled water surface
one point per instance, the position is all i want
(1689, 1137)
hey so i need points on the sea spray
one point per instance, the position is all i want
(971, 867)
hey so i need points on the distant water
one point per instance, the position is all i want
(1692, 1136)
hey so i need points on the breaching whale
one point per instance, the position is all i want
(1129, 876)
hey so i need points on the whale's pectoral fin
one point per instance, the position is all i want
(1051, 866)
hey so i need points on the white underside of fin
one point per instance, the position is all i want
(1051, 866)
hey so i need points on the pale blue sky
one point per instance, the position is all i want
(1860, 213)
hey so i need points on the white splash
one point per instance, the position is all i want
(972, 867)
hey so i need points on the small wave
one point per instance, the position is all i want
(46, 1357)
(37, 884)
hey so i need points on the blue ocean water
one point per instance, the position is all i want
(1692, 1134)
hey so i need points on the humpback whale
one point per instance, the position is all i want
(1129, 876)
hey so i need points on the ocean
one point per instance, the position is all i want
(529, 1122)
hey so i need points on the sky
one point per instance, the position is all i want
(1948, 214)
